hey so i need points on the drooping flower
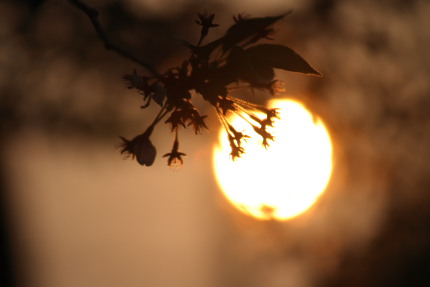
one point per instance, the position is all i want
(264, 134)
(187, 114)
(175, 120)
(236, 149)
(226, 105)
(175, 155)
(139, 147)
(206, 21)
(197, 122)
(237, 136)
(270, 115)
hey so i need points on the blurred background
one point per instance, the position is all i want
(74, 213)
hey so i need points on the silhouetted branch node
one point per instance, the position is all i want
(93, 14)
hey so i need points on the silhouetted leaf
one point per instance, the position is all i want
(221, 77)
(280, 57)
(262, 72)
(248, 68)
(246, 28)
(205, 51)
(202, 52)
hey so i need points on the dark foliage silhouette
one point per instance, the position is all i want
(212, 71)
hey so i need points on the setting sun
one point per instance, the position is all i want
(287, 178)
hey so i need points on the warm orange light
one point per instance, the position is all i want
(287, 178)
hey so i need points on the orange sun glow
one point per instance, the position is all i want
(286, 179)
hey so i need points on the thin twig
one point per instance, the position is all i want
(222, 119)
(92, 14)
(161, 114)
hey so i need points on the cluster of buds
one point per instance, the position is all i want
(212, 71)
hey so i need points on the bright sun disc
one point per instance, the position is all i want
(287, 178)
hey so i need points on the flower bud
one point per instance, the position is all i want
(140, 147)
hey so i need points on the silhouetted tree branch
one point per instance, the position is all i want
(211, 71)
(92, 14)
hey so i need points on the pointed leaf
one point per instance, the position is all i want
(251, 69)
(203, 52)
(281, 57)
(246, 28)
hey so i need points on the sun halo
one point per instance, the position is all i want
(285, 180)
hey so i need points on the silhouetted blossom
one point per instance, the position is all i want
(187, 114)
(270, 115)
(226, 105)
(206, 21)
(209, 72)
(236, 150)
(150, 91)
(175, 157)
(264, 134)
(212, 71)
(139, 147)
(237, 136)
